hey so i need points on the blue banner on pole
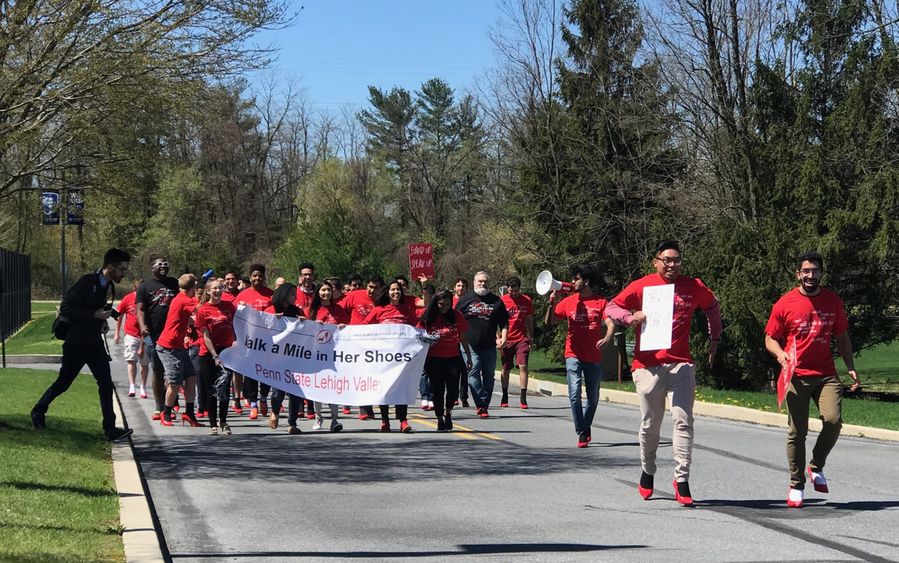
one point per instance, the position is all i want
(50, 208)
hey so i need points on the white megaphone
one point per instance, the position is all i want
(546, 283)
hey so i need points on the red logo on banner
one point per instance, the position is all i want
(421, 260)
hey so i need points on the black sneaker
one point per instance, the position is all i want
(117, 434)
(38, 420)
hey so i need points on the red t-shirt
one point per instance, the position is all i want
(585, 321)
(258, 300)
(176, 322)
(390, 314)
(448, 345)
(689, 294)
(228, 296)
(219, 321)
(304, 299)
(810, 322)
(520, 308)
(332, 314)
(358, 304)
(127, 308)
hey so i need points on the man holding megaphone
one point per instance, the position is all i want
(585, 313)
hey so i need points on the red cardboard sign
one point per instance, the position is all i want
(421, 260)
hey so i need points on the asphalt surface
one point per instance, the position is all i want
(513, 487)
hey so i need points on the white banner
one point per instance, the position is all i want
(356, 365)
(658, 306)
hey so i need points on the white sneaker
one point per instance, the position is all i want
(424, 404)
(431, 405)
(794, 498)
(336, 426)
(317, 425)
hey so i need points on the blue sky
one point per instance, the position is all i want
(336, 48)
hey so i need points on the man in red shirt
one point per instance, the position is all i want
(518, 344)
(133, 348)
(259, 297)
(173, 353)
(306, 286)
(359, 303)
(585, 313)
(229, 289)
(660, 371)
(798, 335)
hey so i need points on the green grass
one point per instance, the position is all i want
(35, 337)
(57, 494)
(43, 307)
(864, 412)
(878, 367)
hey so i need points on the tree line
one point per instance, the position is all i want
(749, 131)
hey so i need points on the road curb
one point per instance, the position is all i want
(139, 534)
(26, 359)
(717, 410)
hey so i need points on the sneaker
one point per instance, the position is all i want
(226, 429)
(117, 434)
(292, 429)
(385, 427)
(254, 413)
(424, 404)
(317, 426)
(143, 393)
(336, 426)
(345, 410)
(213, 431)
(647, 483)
(273, 420)
(794, 498)
(131, 391)
(156, 415)
(818, 480)
(39, 421)
(582, 440)
(404, 427)
(682, 493)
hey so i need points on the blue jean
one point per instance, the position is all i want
(423, 388)
(481, 375)
(589, 374)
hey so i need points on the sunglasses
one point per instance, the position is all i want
(161, 265)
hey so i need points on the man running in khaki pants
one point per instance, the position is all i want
(672, 369)
(803, 321)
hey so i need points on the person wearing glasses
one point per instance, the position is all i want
(305, 295)
(85, 308)
(152, 306)
(658, 372)
(798, 334)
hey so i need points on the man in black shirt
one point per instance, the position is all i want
(152, 306)
(485, 313)
(85, 308)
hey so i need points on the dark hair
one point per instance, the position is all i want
(382, 299)
(812, 257)
(667, 245)
(463, 280)
(230, 273)
(245, 279)
(588, 274)
(284, 300)
(115, 256)
(432, 311)
(402, 278)
(317, 300)
(514, 281)
(376, 279)
(304, 265)
(257, 268)
(429, 289)
(355, 276)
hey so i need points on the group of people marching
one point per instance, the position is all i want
(167, 324)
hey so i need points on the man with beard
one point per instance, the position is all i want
(486, 315)
(152, 306)
(798, 335)
(359, 303)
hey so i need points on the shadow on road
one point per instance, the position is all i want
(347, 459)
(470, 549)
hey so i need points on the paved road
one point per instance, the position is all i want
(513, 487)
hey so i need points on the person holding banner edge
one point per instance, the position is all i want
(257, 296)
(658, 371)
(323, 309)
(284, 302)
(359, 303)
(804, 320)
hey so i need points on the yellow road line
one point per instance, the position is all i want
(468, 433)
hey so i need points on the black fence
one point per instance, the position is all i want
(15, 291)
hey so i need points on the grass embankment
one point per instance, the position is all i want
(863, 412)
(57, 494)
(35, 337)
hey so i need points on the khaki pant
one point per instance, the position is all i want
(653, 384)
(828, 395)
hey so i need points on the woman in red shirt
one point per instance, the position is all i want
(215, 322)
(324, 309)
(391, 309)
(442, 364)
(284, 303)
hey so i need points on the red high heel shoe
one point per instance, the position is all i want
(165, 422)
(685, 499)
(190, 420)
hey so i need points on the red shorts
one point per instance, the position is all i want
(516, 353)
